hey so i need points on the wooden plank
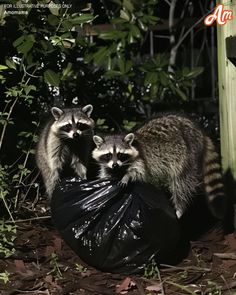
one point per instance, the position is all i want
(227, 92)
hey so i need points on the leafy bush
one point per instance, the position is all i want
(8, 235)
(48, 58)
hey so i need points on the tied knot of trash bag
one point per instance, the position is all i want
(115, 229)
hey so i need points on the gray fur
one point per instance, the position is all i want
(58, 146)
(168, 151)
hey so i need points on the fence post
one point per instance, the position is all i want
(227, 91)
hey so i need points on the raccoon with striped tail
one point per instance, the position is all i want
(169, 151)
(65, 141)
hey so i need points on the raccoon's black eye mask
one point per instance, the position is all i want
(123, 157)
(82, 126)
(120, 156)
(66, 128)
(106, 157)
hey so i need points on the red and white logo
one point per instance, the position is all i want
(220, 15)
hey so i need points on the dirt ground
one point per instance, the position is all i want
(43, 264)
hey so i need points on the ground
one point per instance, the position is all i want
(44, 264)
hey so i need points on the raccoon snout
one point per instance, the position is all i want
(115, 165)
(75, 134)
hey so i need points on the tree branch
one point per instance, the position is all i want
(173, 51)
(175, 48)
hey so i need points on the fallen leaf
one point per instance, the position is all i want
(155, 288)
(125, 286)
(20, 265)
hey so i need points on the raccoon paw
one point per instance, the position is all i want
(123, 182)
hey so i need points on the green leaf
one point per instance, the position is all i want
(135, 31)
(150, 19)
(151, 78)
(125, 15)
(56, 40)
(100, 122)
(25, 47)
(142, 25)
(66, 72)
(30, 38)
(68, 43)
(113, 73)
(100, 56)
(181, 94)
(161, 60)
(28, 88)
(2, 67)
(67, 25)
(128, 5)
(194, 72)
(10, 64)
(53, 20)
(29, 58)
(129, 125)
(54, 10)
(18, 41)
(24, 43)
(164, 78)
(66, 35)
(111, 35)
(121, 64)
(84, 18)
(131, 38)
(51, 77)
(118, 20)
(109, 64)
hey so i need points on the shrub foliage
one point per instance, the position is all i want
(58, 54)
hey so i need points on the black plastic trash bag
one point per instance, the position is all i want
(115, 229)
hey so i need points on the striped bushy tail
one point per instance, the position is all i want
(213, 181)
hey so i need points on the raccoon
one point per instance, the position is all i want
(65, 141)
(168, 151)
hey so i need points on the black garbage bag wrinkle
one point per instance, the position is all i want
(112, 228)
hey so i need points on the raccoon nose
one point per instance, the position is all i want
(75, 134)
(114, 165)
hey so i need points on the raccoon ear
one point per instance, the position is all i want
(129, 138)
(56, 112)
(98, 140)
(87, 109)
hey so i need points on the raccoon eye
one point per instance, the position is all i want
(82, 126)
(66, 127)
(123, 157)
(106, 157)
